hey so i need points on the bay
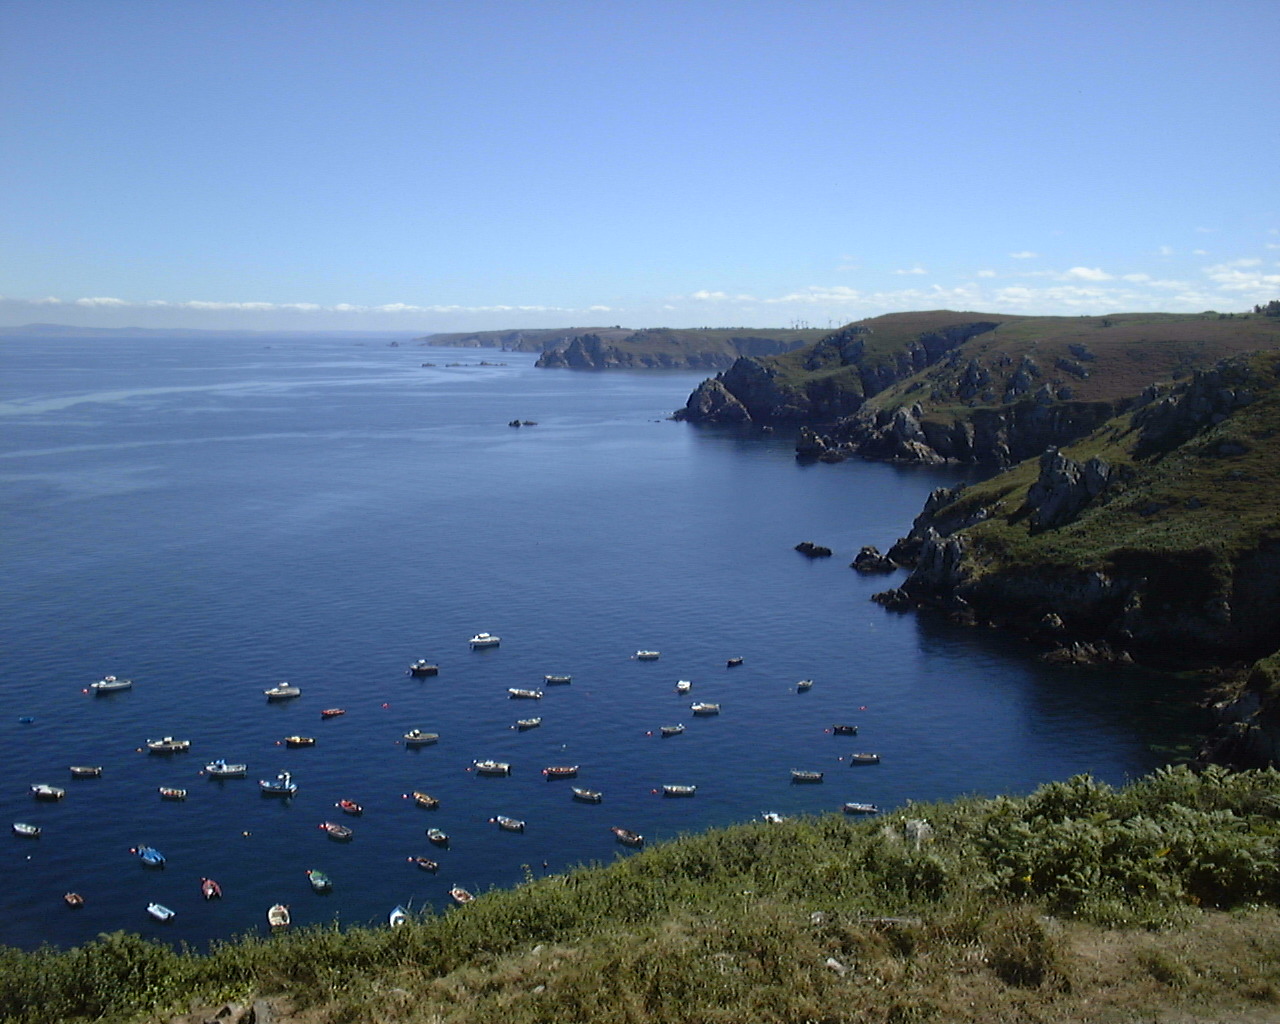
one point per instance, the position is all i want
(210, 517)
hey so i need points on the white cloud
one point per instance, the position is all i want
(1166, 250)
(986, 273)
(913, 270)
(101, 302)
(1024, 255)
(1088, 274)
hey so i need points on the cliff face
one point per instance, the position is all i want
(973, 388)
(1156, 538)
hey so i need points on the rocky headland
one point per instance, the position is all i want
(664, 348)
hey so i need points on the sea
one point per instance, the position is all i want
(209, 517)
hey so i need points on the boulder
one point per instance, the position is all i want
(812, 550)
(869, 560)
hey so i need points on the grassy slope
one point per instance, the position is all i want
(1077, 902)
(1211, 507)
(718, 340)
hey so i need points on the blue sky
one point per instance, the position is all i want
(473, 164)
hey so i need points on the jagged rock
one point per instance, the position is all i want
(810, 444)
(712, 402)
(870, 560)
(1063, 488)
(833, 964)
(895, 599)
(1080, 652)
(807, 547)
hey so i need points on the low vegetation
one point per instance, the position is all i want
(1080, 901)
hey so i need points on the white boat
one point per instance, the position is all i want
(86, 771)
(484, 640)
(22, 828)
(398, 916)
(282, 691)
(703, 708)
(671, 730)
(528, 723)
(799, 775)
(803, 685)
(168, 745)
(422, 667)
(219, 769)
(509, 824)
(557, 680)
(683, 686)
(159, 911)
(278, 916)
(281, 785)
(515, 693)
(172, 793)
(418, 738)
(110, 684)
(43, 791)
(648, 655)
(864, 759)
(857, 808)
(492, 767)
(773, 817)
(587, 796)
(679, 790)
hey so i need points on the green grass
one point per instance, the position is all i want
(996, 910)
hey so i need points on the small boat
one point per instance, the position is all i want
(493, 767)
(86, 771)
(332, 712)
(422, 668)
(172, 793)
(110, 684)
(150, 856)
(557, 680)
(299, 741)
(528, 723)
(282, 691)
(647, 655)
(804, 684)
(41, 791)
(210, 889)
(335, 831)
(278, 916)
(587, 796)
(425, 863)
(560, 771)
(438, 836)
(773, 817)
(844, 730)
(733, 663)
(798, 775)
(683, 686)
(281, 785)
(159, 911)
(22, 828)
(219, 769)
(168, 745)
(515, 693)
(425, 800)
(460, 895)
(864, 759)
(856, 808)
(320, 882)
(349, 807)
(679, 790)
(418, 738)
(398, 916)
(509, 824)
(73, 899)
(626, 836)
(671, 730)
(485, 640)
(704, 708)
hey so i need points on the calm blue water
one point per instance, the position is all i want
(211, 517)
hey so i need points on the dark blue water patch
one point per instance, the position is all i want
(209, 519)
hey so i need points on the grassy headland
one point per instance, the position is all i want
(1078, 902)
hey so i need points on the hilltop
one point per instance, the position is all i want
(971, 387)
(1155, 537)
(610, 348)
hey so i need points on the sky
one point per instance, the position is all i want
(451, 165)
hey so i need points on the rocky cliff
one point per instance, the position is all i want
(667, 348)
(1155, 538)
(974, 388)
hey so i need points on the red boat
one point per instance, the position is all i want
(561, 771)
(211, 889)
(349, 806)
(332, 712)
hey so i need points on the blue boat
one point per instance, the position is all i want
(281, 785)
(150, 856)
